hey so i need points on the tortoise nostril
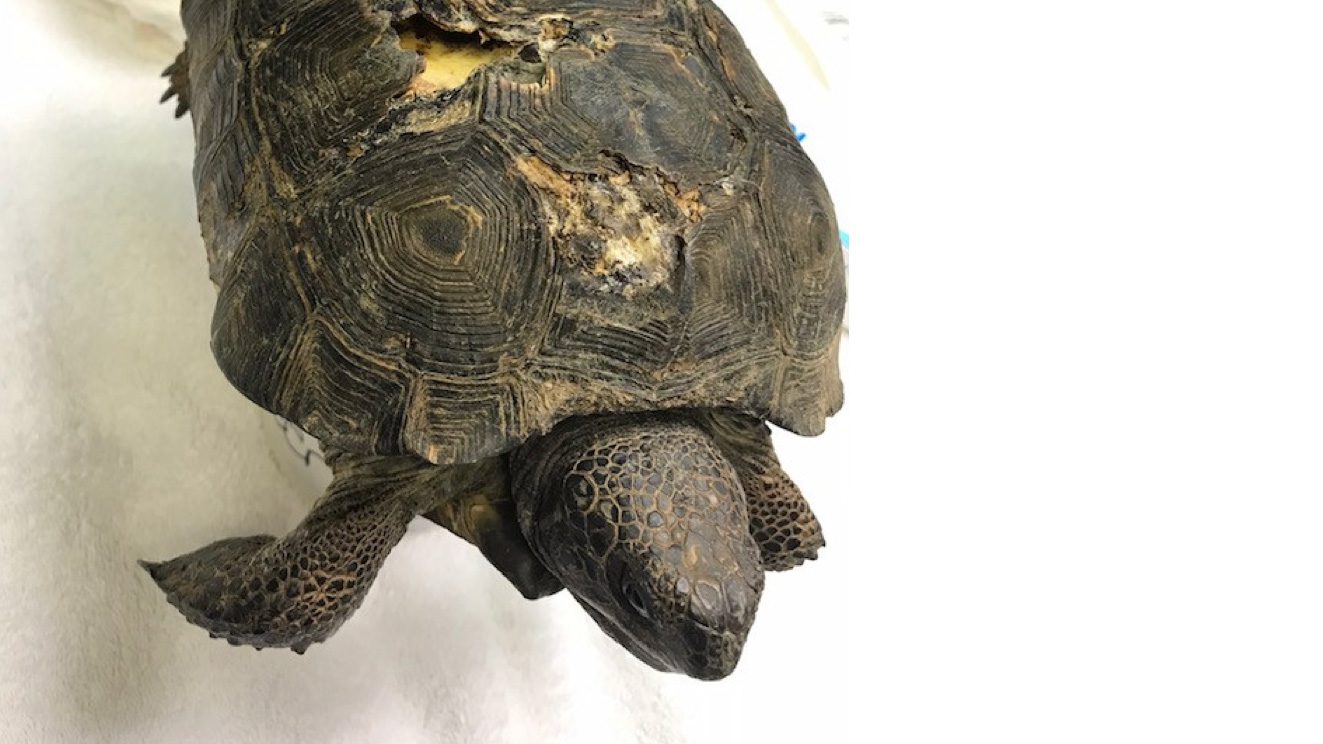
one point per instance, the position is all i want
(706, 603)
(740, 601)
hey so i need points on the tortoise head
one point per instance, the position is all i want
(644, 521)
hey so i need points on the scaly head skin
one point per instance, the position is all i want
(645, 522)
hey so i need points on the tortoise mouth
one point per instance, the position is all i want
(621, 635)
(714, 667)
(701, 652)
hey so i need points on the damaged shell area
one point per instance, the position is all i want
(442, 226)
(621, 232)
(447, 58)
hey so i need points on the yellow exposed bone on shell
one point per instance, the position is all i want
(451, 58)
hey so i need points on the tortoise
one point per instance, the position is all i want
(541, 272)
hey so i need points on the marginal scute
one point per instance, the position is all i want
(722, 46)
(605, 213)
(464, 419)
(802, 253)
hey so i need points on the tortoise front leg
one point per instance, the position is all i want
(298, 590)
(780, 519)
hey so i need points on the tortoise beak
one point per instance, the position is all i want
(716, 630)
(713, 654)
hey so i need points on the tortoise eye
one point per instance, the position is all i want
(635, 600)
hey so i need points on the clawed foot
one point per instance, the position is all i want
(178, 74)
(782, 523)
(295, 591)
(780, 519)
(235, 590)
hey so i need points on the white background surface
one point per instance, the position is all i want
(1096, 308)
(1074, 495)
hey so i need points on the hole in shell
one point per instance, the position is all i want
(449, 57)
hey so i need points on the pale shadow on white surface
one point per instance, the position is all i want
(117, 320)
(107, 30)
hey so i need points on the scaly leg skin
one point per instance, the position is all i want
(482, 511)
(780, 519)
(297, 590)
(178, 74)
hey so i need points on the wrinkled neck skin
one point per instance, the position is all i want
(645, 522)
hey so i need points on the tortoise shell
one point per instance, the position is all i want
(440, 227)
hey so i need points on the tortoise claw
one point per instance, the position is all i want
(177, 72)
